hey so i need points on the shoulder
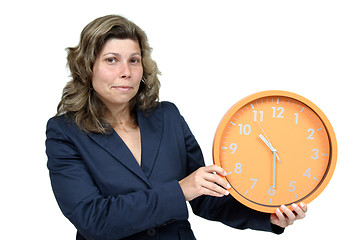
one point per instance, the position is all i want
(169, 108)
(170, 112)
(62, 125)
(60, 121)
(166, 115)
(163, 109)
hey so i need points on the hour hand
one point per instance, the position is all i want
(267, 143)
(273, 150)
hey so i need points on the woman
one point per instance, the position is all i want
(122, 165)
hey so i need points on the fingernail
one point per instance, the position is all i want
(294, 205)
(283, 207)
(228, 186)
(226, 192)
(302, 204)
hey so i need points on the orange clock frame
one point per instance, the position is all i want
(277, 148)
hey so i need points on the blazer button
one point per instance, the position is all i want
(151, 232)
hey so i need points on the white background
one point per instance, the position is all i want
(211, 54)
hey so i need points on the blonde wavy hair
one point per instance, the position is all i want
(79, 100)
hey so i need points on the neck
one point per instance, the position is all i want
(121, 116)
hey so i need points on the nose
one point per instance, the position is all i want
(125, 71)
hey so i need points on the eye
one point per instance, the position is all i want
(135, 60)
(111, 60)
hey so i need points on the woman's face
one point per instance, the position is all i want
(117, 72)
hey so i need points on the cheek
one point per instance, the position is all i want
(100, 79)
(96, 83)
(95, 76)
(138, 76)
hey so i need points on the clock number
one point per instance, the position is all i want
(311, 131)
(280, 110)
(271, 190)
(261, 113)
(292, 186)
(316, 154)
(245, 129)
(307, 173)
(233, 147)
(238, 168)
(255, 181)
(296, 118)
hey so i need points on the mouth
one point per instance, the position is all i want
(122, 88)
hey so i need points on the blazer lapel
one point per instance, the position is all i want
(151, 127)
(115, 146)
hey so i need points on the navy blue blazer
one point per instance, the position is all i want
(104, 192)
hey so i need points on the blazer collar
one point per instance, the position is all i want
(151, 130)
(150, 124)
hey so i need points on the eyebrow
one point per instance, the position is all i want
(119, 55)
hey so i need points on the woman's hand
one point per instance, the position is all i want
(204, 182)
(287, 217)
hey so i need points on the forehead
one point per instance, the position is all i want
(124, 46)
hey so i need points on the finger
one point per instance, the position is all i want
(281, 218)
(217, 179)
(215, 188)
(214, 177)
(216, 169)
(300, 214)
(303, 207)
(290, 216)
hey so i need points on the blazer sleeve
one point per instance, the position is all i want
(96, 216)
(226, 209)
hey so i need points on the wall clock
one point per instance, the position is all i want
(277, 148)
